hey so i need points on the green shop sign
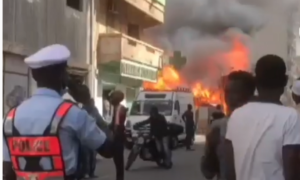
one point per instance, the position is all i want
(162, 2)
(138, 71)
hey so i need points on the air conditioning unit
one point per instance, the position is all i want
(112, 7)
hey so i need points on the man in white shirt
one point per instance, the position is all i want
(263, 137)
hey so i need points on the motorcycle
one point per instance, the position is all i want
(145, 147)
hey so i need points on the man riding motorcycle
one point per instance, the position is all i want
(159, 130)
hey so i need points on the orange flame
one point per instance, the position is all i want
(237, 58)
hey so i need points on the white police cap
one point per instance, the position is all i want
(47, 56)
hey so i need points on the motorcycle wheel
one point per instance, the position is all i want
(131, 158)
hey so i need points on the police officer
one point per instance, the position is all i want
(42, 135)
(188, 117)
(118, 128)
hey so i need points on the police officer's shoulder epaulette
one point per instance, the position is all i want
(69, 101)
(79, 105)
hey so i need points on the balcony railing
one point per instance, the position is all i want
(153, 8)
(115, 47)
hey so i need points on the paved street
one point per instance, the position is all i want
(186, 167)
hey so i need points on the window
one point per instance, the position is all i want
(142, 108)
(75, 4)
(133, 30)
(157, 96)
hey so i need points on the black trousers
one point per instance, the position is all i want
(119, 159)
(91, 162)
(72, 177)
(82, 163)
(188, 140)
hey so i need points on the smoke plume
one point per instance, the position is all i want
(200, 29)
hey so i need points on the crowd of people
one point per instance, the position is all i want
(260, 137)
(80, 132)
(47, 137)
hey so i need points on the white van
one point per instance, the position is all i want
(171, 104)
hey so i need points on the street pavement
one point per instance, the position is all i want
(185, 167)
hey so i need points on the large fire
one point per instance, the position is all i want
(237, 58)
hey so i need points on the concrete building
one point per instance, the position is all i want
(280, 36)
(123, 55)
(109, 50)
(31, 24)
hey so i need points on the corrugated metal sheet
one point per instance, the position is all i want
(38, 23)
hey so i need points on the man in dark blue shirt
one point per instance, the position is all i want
(83, 96)
(188, 118)
(159, 130)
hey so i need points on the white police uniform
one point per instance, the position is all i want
(34, 115)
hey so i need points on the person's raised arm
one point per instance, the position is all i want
(100, 120)
(165, 122)
(8, 172)
(184, 116)
(291, 148)
(90, 135)
(142, 123)
(229, 151)
(229, 159)
(209, 161)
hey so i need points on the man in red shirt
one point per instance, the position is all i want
(118, 128)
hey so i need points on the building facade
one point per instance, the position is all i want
(124, 56)
(33, 24)
(284, 26)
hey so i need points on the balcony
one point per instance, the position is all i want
(128, 57)
(115, 47)
(153, 8)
